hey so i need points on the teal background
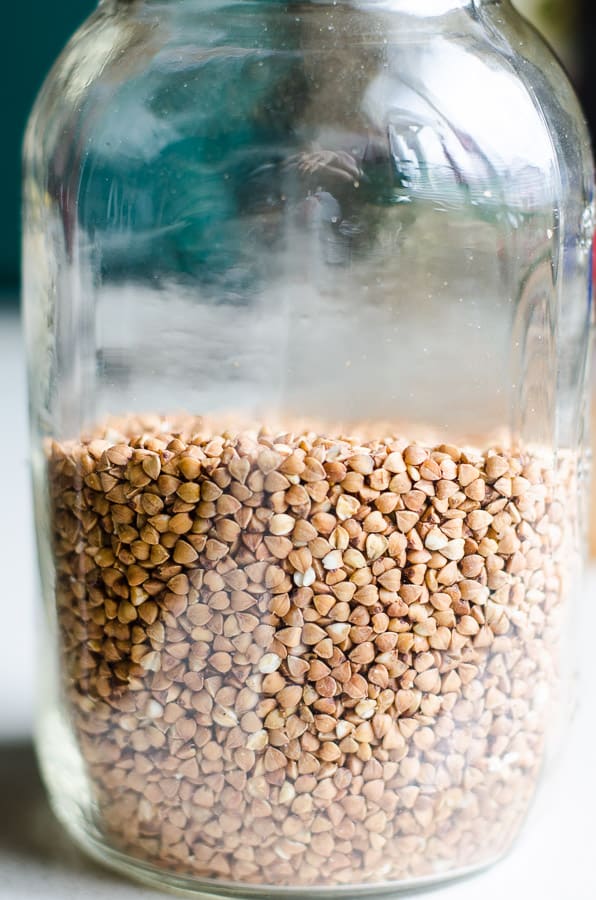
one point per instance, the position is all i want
(32, 34)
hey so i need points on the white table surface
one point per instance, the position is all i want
(554, 859)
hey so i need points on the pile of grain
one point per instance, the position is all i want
(296, 659)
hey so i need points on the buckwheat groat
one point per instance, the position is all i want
(298, 659)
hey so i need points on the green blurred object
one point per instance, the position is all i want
(35, 33)
(557, 20)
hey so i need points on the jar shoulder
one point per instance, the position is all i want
(548, 86)
(485, 94)
(93, 58)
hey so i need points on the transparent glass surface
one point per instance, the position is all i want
(308, 308)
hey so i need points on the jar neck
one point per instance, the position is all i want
(414, 7)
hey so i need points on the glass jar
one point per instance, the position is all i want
(308, 307)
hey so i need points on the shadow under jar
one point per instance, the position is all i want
(308, 308)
